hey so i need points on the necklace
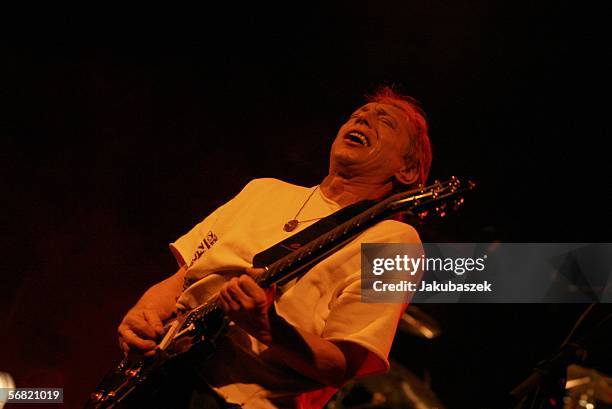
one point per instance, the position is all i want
(293, 223)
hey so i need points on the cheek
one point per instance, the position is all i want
(392, 159)
(335, 145)
(394, 152)
(337, 138)
(402, 149)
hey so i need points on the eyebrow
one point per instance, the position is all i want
(380, 110)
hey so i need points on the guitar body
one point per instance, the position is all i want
(174, 384)
(172, 375)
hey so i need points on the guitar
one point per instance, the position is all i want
(202, 326)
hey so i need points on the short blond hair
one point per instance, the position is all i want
(419, 148)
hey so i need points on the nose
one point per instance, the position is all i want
(363, 117)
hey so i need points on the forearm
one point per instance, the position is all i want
(308, 354)
(162, 296)
(252, 309)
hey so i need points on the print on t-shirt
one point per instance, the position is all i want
(206, 243)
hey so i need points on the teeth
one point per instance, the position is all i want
(361, 137)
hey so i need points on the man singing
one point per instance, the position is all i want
(296, 345)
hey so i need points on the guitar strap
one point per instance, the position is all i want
(318, 229)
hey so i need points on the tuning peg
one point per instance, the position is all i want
(97, 396)
(457, 203)
(454, 182)
(130, 373)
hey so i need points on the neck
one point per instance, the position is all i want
(346, 191)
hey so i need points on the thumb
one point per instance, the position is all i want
(254, 272)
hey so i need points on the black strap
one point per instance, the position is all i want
(323, 226)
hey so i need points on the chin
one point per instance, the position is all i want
(343, 160)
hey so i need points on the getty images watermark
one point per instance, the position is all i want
(487, 272)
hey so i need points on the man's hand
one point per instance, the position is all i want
(138, 331)
(143, 324)
(247, 304)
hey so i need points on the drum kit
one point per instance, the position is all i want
(398, 388)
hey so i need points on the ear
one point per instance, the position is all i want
(407, 175)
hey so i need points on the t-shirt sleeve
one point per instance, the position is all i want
(370, 325)
(187, 247)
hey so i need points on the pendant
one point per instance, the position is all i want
(291, 225)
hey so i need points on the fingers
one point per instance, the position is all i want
(128, 340)
(135, 353)
(246, 304)
(249, 287)
(241, 293)
(256, 272)
(138, 330)
(137, 322)
(226, 299)
(232, 296)
(125, 348)
(154, 321)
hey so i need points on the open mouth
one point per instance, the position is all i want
(358, 138)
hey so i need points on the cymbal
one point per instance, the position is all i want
(418, 323)
(397, 389)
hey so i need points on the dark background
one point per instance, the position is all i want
(119, 133)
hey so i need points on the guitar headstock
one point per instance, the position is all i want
(437, 198)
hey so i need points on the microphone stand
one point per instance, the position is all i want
(545, 387)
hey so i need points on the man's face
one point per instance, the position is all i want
(372, 143)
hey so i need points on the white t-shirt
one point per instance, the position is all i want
(325, 301)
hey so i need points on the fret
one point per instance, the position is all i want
(291, 258)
